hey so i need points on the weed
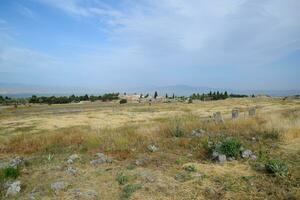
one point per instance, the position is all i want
(122, 178)
(276, 167)
(129, 189)
(190, 168)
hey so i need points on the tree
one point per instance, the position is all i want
(155, 94)
(167, 96)
(173, 97)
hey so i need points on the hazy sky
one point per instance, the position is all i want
(241, 44)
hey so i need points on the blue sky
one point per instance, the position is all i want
(240, 44)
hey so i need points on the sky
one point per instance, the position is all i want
(240, 44)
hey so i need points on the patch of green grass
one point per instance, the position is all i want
(122, 178)
(129, 189)
(10, 173)
(277, 167)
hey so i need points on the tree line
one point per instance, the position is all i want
(215, 96)
(57, 99)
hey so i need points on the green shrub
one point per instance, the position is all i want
(177, 131)
(230, 147)
(129, 189)
(276, 167)
(123, 101)
(10, 172)
(122, 179)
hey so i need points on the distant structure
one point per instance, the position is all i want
(252, 112)
(235, 113)
(218, 117)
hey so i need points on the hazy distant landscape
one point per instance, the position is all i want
(149, 100)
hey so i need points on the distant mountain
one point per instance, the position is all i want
(21, 90)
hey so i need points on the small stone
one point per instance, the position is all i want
(58, 186)
(253, 157)
(230, 158)
(16, 162)
(101, 159)
(72, 158)
(215, 155)
(221, 158)
(152, 148)
(72, 171)
(247, 153)
(148, 177)
(198, 133)
(14, 189)
(140, 162)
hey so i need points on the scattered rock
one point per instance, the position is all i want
(13, 189)
(72, 171)
(140, 162)
(152, 148)
(101, 159)
(198, 133)
(89, 194)
(58, 186)
(218, 117)
(72, 159)
(235, 113)
(16, 162)
(148, 177)
(247, 153)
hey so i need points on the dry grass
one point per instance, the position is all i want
(124, 132)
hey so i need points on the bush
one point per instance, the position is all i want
(230, 147)
(122, 179)
(123, 101)
(276, 167)
(10, 172)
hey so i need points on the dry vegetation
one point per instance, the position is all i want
(182, 167)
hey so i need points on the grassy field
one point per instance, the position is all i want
(180, 168)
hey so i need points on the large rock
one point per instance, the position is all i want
(218, 117)
(235, 114)
(13, 189)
